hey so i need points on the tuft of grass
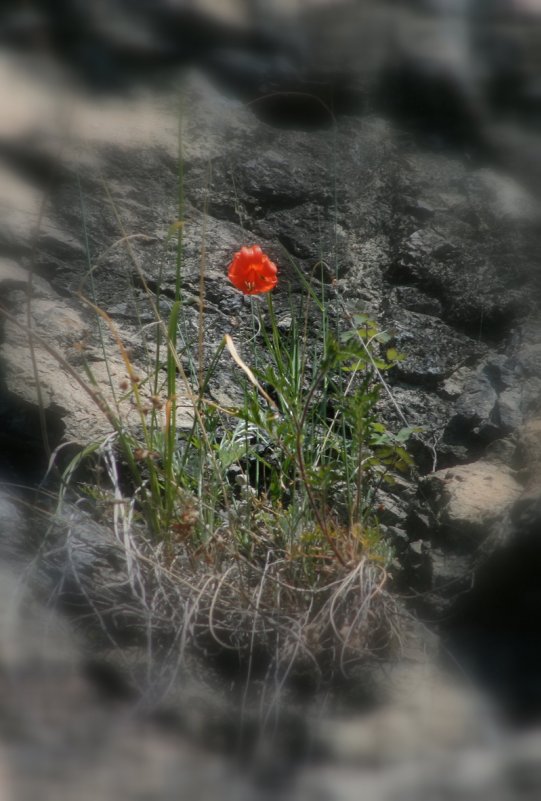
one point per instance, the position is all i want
(301, 458)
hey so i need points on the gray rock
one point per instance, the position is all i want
(497, 773)
(325, 246)
(453, 387)
(475, 406)
(503, 392)
(470, 498)
(509, 409)
(503, 451)
(432, 349)
(413, 299)
(529, 449)
(451, 574)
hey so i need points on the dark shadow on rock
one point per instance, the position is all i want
(434, 106)
(27, 439)
(494, 630)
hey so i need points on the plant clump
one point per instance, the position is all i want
(267, 504)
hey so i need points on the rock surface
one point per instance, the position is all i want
(470, 498)
(394, 212)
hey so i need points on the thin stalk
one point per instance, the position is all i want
(201, 298)
(180, 201)
(320, 518)
(359, 476)
(276, 340)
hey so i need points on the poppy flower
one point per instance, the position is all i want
(252, 271)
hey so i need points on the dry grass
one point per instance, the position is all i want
(216, 609)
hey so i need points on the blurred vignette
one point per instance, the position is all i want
(462, 70)
(461, 74)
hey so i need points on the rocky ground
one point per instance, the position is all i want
(429, 225)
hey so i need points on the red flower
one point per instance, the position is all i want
(252, 271)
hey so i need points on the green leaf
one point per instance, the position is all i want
(379, 428)
(231, 452)
(361, 319)
(405, 433)
(392, 355)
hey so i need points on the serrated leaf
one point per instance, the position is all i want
(361, 319)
